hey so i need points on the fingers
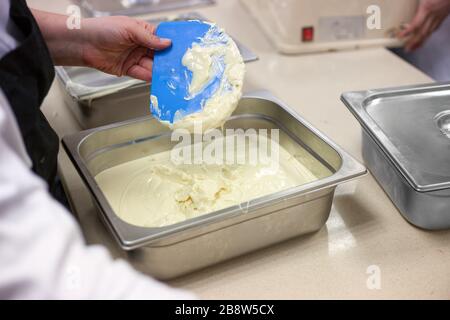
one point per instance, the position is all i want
(139, 72)
(430, 25)
(146, 63)
(428, 18)
(133, 58)
(143, 34)
(420, 36)
(413, 30)
(415, 25)
(138, 65)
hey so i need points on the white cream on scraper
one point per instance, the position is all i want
(201, 59)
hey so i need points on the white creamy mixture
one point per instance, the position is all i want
(153, 192)
(203, 60)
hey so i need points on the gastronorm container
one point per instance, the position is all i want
(196, 243)
(100, 8)
(406, 146)
(97, 99)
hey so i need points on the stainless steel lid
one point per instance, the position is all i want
(97, 8)
(86, 84)
(412, 126)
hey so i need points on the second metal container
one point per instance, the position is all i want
(406, 145)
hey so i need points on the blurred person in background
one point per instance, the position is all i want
(427, 39)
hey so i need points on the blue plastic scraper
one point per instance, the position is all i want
(170, 98)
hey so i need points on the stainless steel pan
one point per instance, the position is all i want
(177, 249)
(406, 145)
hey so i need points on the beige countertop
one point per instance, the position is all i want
(365, 229)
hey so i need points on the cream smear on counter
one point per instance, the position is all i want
(206, 59)
(154, 192)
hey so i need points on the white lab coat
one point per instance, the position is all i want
(42, 252)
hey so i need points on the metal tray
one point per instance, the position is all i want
(99, 8)
(96, 98)
(406, 145)
(177, 249)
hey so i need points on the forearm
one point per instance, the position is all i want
(65, 44)
(115, 45)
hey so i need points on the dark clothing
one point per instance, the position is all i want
(26, 75)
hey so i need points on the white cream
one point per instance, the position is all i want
(154, 101)
(153, 192)
(201, 59)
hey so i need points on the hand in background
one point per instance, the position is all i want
(429, 17)
(120, 46)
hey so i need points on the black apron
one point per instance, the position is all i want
(26, 75)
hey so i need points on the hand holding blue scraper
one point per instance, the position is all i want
(199, 78)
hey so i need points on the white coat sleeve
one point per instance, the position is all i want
(42, 252)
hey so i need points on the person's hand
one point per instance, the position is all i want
(115, 45)
(120, 46)
(428, 18)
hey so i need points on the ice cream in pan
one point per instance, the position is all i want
(197, 81)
